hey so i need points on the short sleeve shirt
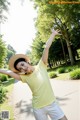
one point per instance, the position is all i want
(40, 86)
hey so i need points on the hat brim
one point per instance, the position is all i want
(14, 58)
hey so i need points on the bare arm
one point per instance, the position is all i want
(10, 73)
(47, 46)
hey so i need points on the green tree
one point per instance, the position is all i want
(10, 52)
(37, 49)
(60, 16)
(2, 52)
(3, 7)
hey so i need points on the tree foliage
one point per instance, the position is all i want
(65, 17)
(37, 49)
(3, 7)
(2, 52)
(10, 52)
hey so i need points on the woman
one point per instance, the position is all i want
(44, 102)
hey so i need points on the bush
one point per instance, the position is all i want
(68, 69)
(75, 74)
(2, 94)
(3, 78)
(52, 75)
(61, 70)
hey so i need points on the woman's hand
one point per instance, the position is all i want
(56, 32)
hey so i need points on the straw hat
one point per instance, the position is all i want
(14, 58)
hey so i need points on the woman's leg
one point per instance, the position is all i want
(40, 114)
(55, 112)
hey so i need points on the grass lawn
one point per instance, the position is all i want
(7, 105)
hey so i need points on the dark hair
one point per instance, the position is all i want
(17, 61)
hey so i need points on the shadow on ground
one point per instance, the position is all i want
(25, 107)
(62, 100)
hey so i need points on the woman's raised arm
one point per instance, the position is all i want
(10, 73)
(48, 44)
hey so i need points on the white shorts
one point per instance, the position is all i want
(53, 111)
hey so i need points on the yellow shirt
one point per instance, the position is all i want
(40, 86)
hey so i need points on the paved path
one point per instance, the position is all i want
(66, 92)
(68, 95)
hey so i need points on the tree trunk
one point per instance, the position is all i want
(49, 63)
(63, 51)
(66, 36)
(70, 51)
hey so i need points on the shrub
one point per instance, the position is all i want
(68, 69)
(2, 94)
(75, 74)
(52, 75)
(3, 78)
(61, 70)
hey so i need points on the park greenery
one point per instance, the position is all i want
(64, 53)
(5, 53)
(65, 17)
(65, 48)
(4, 4)
(2, 52)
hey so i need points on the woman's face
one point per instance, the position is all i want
(24, 67)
